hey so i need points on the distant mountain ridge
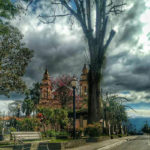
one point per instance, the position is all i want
(139, 122)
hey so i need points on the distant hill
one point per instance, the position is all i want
(138, 122)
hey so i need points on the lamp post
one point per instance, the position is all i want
(18, 110)
(73, 83)
(105, 117)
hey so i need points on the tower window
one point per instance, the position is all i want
(85, 89)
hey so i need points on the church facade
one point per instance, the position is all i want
(47, 97)
(46, 94)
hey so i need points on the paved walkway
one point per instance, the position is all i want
(104, 145)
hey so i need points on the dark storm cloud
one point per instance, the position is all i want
(62, 54)
(128, 70)
(59, 54)
(130, 25)
(130, 33)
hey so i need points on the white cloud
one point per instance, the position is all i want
(138, 113)
(4, 106)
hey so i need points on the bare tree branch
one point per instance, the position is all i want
(31, 1)
(112, 34)
(129, 107)
(116, 8)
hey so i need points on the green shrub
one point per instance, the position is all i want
(51, 133)
(12, 129)
(28, 124)
(120, 135)
(62, 135)
(93, 130)
(79, 132)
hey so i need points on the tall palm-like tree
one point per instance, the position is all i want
(27, 106)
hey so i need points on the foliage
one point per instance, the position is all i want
(35, 93)
(27, 106)
(1, 126)
(57, 134)
(62, 86)
(93, 130)
(12, 129)
(146, 128)
(59, 114)
(14, 56)
(14, 108)
(7, 9)
(79, 132)
(114, 111)
(53, 117)
(51, 133)
(28, 124)
(46, 115)
(62, 135)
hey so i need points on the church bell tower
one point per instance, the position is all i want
(84, 82)
(46, 89)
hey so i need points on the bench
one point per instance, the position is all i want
(25, 136)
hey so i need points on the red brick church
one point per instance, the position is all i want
(47, 97)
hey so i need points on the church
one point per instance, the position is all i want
(47, 97)
(51, 100)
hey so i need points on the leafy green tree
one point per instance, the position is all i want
(14, 56)
(27, 106)
(46, 116)
(15, 108)
(57, 118)
(35, 93)
(59, 114)
(146, 128)
(27, 124)
(7, 12)
(114, 112)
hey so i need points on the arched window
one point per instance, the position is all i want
(85, 89)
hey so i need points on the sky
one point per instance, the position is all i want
(62, 49)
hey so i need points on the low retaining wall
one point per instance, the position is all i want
(75, 143)
(97, 139)
(53, 146)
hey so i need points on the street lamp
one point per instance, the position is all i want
(73, 83)
(105, 115)
(18, 110)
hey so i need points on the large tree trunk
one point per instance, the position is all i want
(93, 95)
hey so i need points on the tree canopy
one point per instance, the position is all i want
(14, 56)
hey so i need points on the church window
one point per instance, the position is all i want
(85, 89)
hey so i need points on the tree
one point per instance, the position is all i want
(14, 56)
(14, 108)
(27, 106)
(27, 124)
(146, 128)
(115, 112)
(63, 90)
(53, 117)
(35, 93)
(46, 116)
(92, 16)
(7, 11)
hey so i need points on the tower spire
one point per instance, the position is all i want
(84, 70)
